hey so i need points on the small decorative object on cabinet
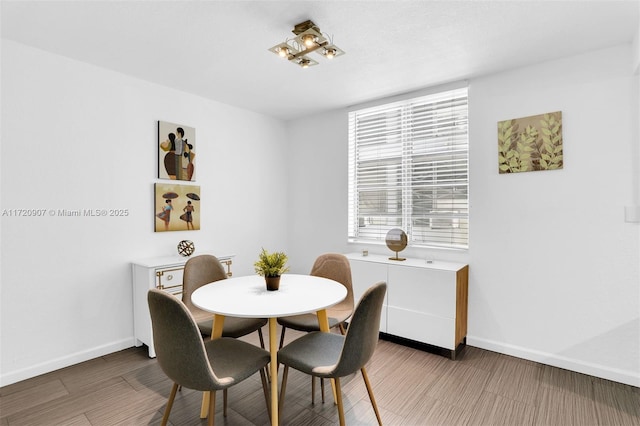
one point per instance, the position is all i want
(186, 248)
(425, 302)
(164, 273)
(396, 241)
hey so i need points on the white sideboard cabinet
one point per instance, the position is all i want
(425, 302)
(164, 273)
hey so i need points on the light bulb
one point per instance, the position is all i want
(308, 40)
(283, 52)
(304, 63)
(330, 53)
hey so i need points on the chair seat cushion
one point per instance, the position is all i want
(233, 326)
(233, 360)
(305, 322)
(315, 353)
(309, 322)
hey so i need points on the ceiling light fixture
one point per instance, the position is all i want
(308, 39)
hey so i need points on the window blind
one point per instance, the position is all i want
(408, 169)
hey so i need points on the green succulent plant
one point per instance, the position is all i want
(271, 264)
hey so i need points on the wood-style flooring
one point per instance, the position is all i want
(412, 387)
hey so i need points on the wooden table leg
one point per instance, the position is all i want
(216, 332)
(323, 323)
(273, 349)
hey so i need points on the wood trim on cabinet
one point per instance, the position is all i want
(462, 302)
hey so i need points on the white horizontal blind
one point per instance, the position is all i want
(408, 169)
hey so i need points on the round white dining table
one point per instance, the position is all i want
(247, 296)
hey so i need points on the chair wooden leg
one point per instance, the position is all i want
(167, 410)
(285, 375)
(339, 400)
(263, 377)
(322, 388)
(261, 338)
(370, 391)
(212, 407)
(224, 402)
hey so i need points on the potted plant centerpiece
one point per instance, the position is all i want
(271, 266)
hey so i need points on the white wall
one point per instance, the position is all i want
(635, 53)
(556, 268)
(554, 273)
(317, 187)
(78, 137)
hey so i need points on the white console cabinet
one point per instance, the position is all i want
(425, 302)
(164, 273)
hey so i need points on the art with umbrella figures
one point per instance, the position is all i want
(177, 207)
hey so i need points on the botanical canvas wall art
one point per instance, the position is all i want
(176, 151)
(530, 143)
(177, 207)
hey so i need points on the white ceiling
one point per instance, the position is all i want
(218, 49)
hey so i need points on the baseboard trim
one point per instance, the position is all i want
(65, 361)
(451, 354)
(617, 375)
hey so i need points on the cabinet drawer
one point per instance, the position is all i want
(170, 279)
(422, 290)
(364, 275)
(421, 327)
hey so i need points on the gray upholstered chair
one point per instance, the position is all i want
(204, 269)
(331, 356)
(336, 267)
(196, 364)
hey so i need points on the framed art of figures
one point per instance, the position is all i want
(530, 143)
(176, 151)
(177, 207)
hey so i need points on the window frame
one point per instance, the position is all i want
(397, 148)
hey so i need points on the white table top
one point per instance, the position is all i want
(248, 296)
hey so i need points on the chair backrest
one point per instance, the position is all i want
(179, 346)
(336, 267)
(198, 271)
(362, 335)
